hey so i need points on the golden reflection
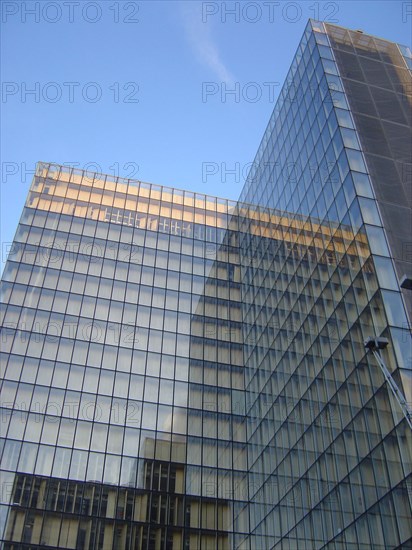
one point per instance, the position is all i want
(133, 203)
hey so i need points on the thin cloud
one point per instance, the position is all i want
(200, 37)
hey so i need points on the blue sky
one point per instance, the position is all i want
(142, 89)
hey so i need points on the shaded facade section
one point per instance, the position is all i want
(376, 76)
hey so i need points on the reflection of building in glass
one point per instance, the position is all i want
(186, 372)
(52, 512)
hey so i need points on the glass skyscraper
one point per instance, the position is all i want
(183, 372)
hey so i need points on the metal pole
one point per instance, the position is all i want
(395, 390)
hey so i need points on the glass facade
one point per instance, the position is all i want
(182, 372)
(123, 389)
(324, 428)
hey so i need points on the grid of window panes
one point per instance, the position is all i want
(329, 447)
(123, 388)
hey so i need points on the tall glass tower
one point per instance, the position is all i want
(182, 372)
(329, 441)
